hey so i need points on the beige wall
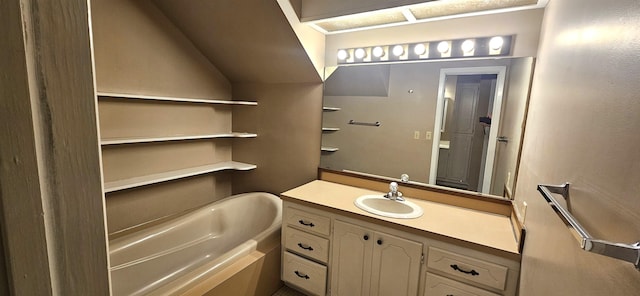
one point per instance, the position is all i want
(4, 283)
(524, 24)
(139, 51)
(582, 128)
(287, 149)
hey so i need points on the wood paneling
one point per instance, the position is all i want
(26, 254)
(52, 139)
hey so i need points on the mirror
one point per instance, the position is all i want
(457, 123)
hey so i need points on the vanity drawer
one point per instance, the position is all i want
(304, 273)
(437, 285)
(308, 221)
(470, 269)
(307, 244)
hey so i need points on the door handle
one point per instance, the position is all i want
(503, 139)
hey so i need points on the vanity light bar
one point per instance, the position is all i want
(431, 50)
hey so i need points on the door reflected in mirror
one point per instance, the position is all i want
(454, 123)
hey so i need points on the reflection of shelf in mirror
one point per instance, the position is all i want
(173, 99)
(330, 109)
(174, 175)
(330, 129)
(328, 149)
(131, 140)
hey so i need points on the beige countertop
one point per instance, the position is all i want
(473, 226)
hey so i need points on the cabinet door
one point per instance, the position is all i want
(351, 260)
(395, 266)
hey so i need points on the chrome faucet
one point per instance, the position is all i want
(394, 194)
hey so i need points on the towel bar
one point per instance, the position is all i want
(377, 123)
(626, 252)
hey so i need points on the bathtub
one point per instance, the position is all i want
(170, 257)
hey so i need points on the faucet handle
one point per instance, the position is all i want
(404, 178)
(393, 187)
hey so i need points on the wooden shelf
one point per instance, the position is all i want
(174, 175)
(118, 141)
(173, 99)
(330, 129)
(331, 109)
(329, 149)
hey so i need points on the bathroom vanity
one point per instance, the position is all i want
(463, 244)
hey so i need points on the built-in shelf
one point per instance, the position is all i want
(329, 149)
(131, 140)
(173, 99)
(174, 175)
(330, 129)
(330, 109)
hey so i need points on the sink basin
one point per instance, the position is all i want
(382, 206)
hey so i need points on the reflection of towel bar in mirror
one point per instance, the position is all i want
(377, 123)
(626, 252)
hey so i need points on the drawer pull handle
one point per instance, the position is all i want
(379, 242)
(310, 224)
(473, 272)
(301, 275)
(366, 237)
(305, 247)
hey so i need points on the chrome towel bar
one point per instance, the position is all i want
(626, 252)
(377, 123)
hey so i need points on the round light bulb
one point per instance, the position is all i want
(443, 46)
(360, 53)
(398, 50)
(467, 45)
(419, 49)
(496, 43)
(342, 54)
(378, 51)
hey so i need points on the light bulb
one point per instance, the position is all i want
(496, 43)
(398, 50)
(360, 53)
(419, 49)
(467, 46)
(342, 54)
(443, 46)
(378, 51)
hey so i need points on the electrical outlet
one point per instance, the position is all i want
(416, 135)
(428, 135)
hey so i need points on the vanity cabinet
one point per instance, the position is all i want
(331, 247)
(367, 262)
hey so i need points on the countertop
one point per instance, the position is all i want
(477, 227)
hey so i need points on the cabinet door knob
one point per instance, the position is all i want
(379, 242)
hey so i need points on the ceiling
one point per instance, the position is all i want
(401, 13)
(249, 41)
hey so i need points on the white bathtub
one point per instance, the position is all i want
(167, 258)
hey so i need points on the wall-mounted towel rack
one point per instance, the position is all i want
(377, 123)
(626, 252)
